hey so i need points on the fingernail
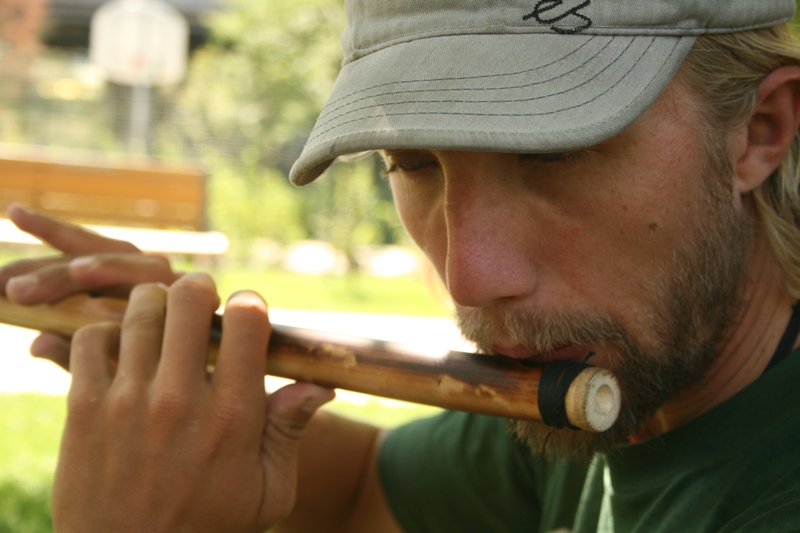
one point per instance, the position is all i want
(82, 263)
(246, 296)
(21, 284)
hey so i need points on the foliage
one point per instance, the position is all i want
(252, 97)
(253, 202)
(23, 509)
(266, 73)
(352, 206)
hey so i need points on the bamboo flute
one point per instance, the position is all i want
(470, 382)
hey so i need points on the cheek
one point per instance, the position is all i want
(422, 216)
(612, 246)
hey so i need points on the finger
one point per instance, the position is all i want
(242, 360)
(142, 332)
(52, 347)
(47, 284)
(191, 302)
(93, 347)
(289, 410)
(25, 266)
(120, 270)
(110, 273)
(63, 236)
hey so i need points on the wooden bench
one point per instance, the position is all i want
(158, 208)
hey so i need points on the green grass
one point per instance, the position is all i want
(349, 293)
(31, 428)
(35, 421)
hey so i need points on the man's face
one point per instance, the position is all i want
(633, 250)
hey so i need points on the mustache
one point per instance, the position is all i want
(540, 332)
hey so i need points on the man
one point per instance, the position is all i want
(613, 180)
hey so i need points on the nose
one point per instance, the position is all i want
(489, 232)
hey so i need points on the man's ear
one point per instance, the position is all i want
(771, 129)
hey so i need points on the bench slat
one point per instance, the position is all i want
(157, 197)
(158, 208)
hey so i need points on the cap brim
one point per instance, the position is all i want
(491, 93)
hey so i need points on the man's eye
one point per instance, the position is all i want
(554, 157)
(409, 165)
(547, 157)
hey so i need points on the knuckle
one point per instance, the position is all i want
(87, 333)
(147, 309)
(84, 404)
(171, 405)
(151, 320)
(98, 333)
(125, 401)
(230, 414)
(155, 267)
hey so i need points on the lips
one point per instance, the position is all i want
(568, 352)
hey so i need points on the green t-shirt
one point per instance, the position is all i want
(734, 469)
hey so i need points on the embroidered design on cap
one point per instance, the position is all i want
(548, 12)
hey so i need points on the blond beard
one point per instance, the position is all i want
(694, 301)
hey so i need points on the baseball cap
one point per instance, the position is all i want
(508, 75)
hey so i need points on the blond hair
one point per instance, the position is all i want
(725, 71)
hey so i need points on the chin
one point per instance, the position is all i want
(565, 443)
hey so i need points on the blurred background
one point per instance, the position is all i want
(255, 76)
(164, 108)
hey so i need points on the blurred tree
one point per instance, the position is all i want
(20, 24)
(264, 75)
(352, 207)
(251, 98)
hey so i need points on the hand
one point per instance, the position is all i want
(161, 445)
(88, 262)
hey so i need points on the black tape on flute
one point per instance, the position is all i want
(553, 389)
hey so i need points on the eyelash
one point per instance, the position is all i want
(563, 158)
(557, 157)
(398, 166)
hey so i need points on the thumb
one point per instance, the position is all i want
(288, 413)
